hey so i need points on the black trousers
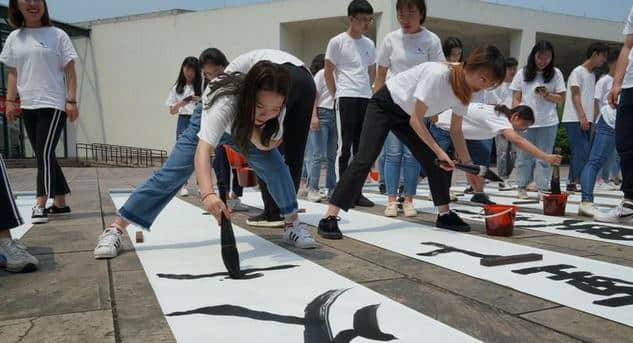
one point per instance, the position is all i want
(44, 127)
(382, 116)
(624, 140)
(352, 113)
(296, 127)
(9, 214)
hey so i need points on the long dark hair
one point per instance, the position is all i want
(524, 112)
(318, 63)
(529, 73)
(181, 82)
(264, 75)
(16, 19)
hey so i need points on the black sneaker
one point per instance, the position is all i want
(572, 188)
(453, 222)
(482, 198)
(58, 211)
(382, 188)
(364, 202)
(264, 220)
(469, 190)
(39, 216)
(328, 228)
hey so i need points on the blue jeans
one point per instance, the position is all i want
(398, 158)
(323, 145)
(611, 168)
(183, 124)
(580, 145)
(528, 168)
(601, 150)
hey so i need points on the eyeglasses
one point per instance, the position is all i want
(406, 14)
(369, 20)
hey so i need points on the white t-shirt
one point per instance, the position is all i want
(218, 119)
(324, 99)
(243, 63)
(603, 87)
(545, 113)
(501, 95)
(628, 76)
(39, 56)
(586, 80)
(174, 97)
(481, 122)
(352, 58)
(428, 82)
(401, 51)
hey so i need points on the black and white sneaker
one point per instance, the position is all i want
(264, 220)
(39, 215)
(328, 228)
(451, 221)
(58, 211)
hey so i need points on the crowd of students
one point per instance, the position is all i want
(411, 108)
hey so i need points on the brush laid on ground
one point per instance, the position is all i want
(492, 261)
(474, 169)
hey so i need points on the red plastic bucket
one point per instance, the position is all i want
(500, 219)
(374, 175)
(554, 204)
(246, 177)
(236, 160)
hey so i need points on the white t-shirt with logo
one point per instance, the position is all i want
(545, 113)
(480, 122)
(39, 55)
(324, 99)
(428, 82)
(352, 58)
(218, 119)
(603, 87)
(245, 62)
(586, 80)
(174, 97)
(628, 30)
(401, 51)
(501, 95)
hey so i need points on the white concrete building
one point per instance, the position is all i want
(129, 64)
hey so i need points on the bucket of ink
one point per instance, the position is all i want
(500, 219)
(246, 177)
(236, 160)
(554, 204)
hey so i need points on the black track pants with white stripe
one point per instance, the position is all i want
(44, 127)
(9, 215)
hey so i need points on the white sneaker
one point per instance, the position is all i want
(15, 258)
(39, 215)
(392, 209)
(237, 206)
(109, 244)
(586, 209)
(613, 186)
(506, 186)
(622, 214)
(184, 192)
(409, 210)
(453, 196)
(302, 192)
(299, 236)
(522, 194)
(314, 196)
(532, 187)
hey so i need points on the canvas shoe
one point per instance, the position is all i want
(328, 228)
(314, 196)
(451, 221)
(622, 214)
(39, 215)
(263, 220)
(184, 192)
(409, 210)
(392, 209)
(586, 209)
(297, 234)
(109, 244)
(14, 257)
(58, 211)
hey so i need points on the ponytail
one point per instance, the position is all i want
(457, 79)
(524, 112)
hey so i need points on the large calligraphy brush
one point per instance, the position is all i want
(474, 169)
(230, 255)
(555, 183)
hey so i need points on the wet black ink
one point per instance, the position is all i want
(588, 283)
(316, 323)
(616, 233)
(247, 274)
(230, 255)
(445, 249)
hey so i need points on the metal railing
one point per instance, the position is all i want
(119, 155)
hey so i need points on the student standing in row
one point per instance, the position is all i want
(401, 50)
(183, 97)
(540, 86)
(400, 106)
(350, 70)
(41, 70)
(299, 106)
(578, 116)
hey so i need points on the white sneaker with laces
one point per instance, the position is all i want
(14, 257)
(622, 214)
(586, 209)
(522, 194)
(184, 192)
(314, 196)
(39, 215)
(237, 206)
(409, 210)
(298, 235)
(392, 209)
(109, 244)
